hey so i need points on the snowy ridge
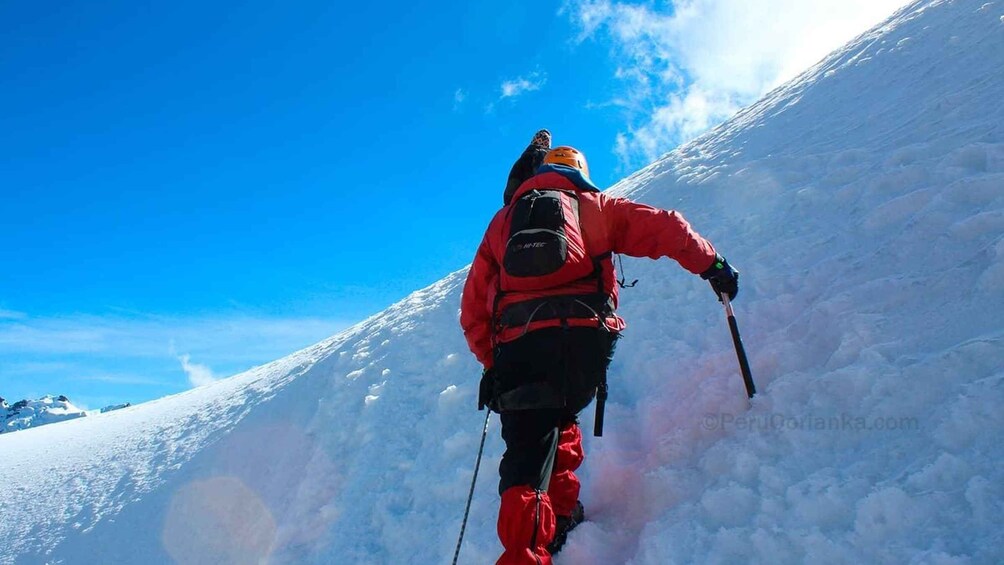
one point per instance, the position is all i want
(865, 200)
(862, 202)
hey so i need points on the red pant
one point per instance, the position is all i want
(527, 513)
(543, 441)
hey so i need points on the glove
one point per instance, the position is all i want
(486, 393)
(723, 278)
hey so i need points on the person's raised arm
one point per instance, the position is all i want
(639, 230)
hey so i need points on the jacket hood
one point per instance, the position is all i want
(556, 176)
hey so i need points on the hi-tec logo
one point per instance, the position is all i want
(536, 245)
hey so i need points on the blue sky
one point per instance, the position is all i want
(190, 189)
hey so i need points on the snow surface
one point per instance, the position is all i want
(863, 203)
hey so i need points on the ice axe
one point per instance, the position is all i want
(744, 364)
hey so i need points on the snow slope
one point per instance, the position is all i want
(864, 204)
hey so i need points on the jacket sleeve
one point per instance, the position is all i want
(475, 312)
(639, 230)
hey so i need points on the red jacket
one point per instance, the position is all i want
(609, 225)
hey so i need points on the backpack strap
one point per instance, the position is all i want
(601, 395)
(602, 389)
(598, 269)
(565, 307)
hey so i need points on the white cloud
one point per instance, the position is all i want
(458, 98)
(692, 65)
(124, 379)
(521, 85)
(141, 349)
(198, 374)
(151, 336)
(11, 315)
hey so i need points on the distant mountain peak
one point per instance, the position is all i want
(49, 409)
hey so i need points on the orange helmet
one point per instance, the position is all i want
(569, 156)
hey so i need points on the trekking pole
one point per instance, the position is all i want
(744, 364)
(470, 496)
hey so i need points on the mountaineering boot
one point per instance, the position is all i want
(527, 164)
(565, 524)
(542, 139)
